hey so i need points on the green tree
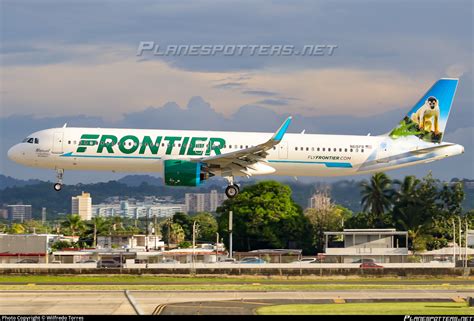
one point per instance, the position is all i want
(74, 224)
(324, 219)
(264, 216)
(17, 228)
(207, 226)
(176, 234)
(186, 223)
(377, 198)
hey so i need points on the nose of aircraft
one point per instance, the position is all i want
(13, 153)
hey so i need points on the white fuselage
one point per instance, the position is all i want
(140, 150)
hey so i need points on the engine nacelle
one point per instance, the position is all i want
(183, 173)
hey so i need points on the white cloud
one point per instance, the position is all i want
(114, 85)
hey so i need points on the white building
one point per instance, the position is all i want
(82, 205)
(203, 202)
(381, 245)
(138, 241)
(19, 212)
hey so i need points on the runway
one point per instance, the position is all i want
(196, 302)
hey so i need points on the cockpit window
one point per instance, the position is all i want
(36, 141)
(30, 140)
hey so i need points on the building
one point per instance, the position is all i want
(319, 201)
(29, 247)
(82, 205)
(130, 242)
(3, 213)
(19, 212)
(381, 245)
(203, 202)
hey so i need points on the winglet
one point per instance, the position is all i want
(278, 136)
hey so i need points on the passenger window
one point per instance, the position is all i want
(296, 148)
(351, 150)
(324, 149)
(345, 149)
(340, 149)
(307, 148)
(317, 149)
(329, 149)
(362, 150)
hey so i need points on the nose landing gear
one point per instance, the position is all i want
(232, 189)
(59, 176)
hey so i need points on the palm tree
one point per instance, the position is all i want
(74, 223)
(101, 225)
(417, 226)
(407, 190)
(377, 197)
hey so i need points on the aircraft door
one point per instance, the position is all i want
(57, 143)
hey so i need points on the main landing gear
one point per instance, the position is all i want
(59, 177)
(232, 189)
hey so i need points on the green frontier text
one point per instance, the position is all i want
(129, 144)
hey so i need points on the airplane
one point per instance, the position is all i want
(188, 158)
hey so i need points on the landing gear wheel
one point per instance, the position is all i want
(57, 187)
(231, 191)
(238, 188)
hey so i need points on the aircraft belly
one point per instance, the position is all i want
(309, 169)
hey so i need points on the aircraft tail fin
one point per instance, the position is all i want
(427, 119)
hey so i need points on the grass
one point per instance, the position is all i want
(200, 283)
(397, 308)
(148, 278)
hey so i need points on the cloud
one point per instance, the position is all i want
(112, 88)
(273, 102)
(259, 93)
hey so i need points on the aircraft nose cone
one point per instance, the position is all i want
(13, 153)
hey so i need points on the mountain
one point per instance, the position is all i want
(7, 181)
(137, 180)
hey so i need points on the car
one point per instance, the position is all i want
(27, 261)
(370, 265)
(306, 260)
(227, 260)
(366, 260)
(108, 263)
(252, 260)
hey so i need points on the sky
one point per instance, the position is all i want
(77, 62)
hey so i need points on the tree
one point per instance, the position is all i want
(17, 228)
(186, 223)
(207, 226)
(74, 224)
(376, 198)
(264, 216)
(176, 234)
(328, 217)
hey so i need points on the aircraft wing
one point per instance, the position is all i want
(247, 156)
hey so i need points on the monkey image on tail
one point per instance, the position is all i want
(427, 116)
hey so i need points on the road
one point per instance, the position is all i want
(195, 302)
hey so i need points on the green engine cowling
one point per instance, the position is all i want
(183, 173)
